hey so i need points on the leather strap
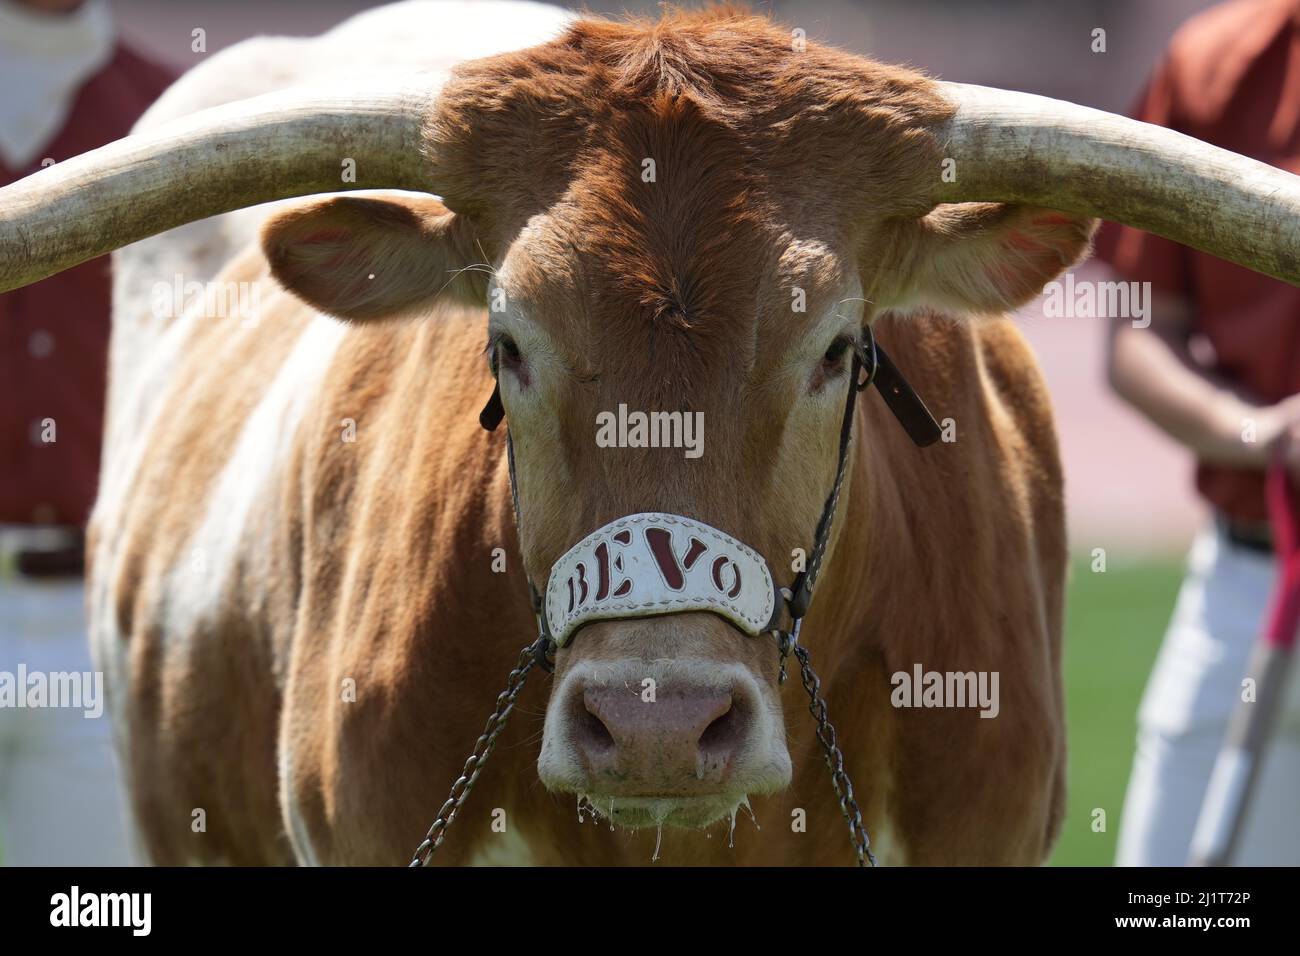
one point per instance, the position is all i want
(904, 402)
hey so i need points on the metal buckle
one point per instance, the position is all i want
(786, 641)
(865, 350)
(543, 648)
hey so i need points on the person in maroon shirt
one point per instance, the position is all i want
(1218, 369)
(66, 87)
(54, 334)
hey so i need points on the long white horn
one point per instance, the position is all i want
(290, 143)
(1021, 148)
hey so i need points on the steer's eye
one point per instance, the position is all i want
(509, 349)
(832, 364)
(834, 356)
(504, 352)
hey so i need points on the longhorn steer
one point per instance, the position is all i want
(294, 581)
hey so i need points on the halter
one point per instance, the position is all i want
(655, 563)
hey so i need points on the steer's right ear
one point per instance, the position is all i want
(362, 258)
(979, 258)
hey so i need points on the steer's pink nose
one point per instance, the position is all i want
(676, 740)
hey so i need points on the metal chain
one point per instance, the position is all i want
(534, 653)
(834, 757)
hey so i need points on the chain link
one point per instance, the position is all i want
(534, 653)
(830, 744)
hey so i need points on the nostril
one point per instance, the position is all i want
(591, 732)
(723, 736)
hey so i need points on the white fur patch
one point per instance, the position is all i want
(198, 584)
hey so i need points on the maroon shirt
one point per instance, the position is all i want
(54, 333)
(1231, 77)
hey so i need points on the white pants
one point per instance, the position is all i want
(1189, 699)
(60, 793)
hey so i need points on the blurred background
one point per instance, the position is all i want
(1129, 488)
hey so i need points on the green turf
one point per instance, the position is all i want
(1114, 622)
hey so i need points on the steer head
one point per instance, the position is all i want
(691, 218)
(695, 215)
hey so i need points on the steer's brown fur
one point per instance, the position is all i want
(372, 561)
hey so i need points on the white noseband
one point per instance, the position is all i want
(656, 563)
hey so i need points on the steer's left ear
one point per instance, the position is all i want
(363, 258)
(984, 258)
